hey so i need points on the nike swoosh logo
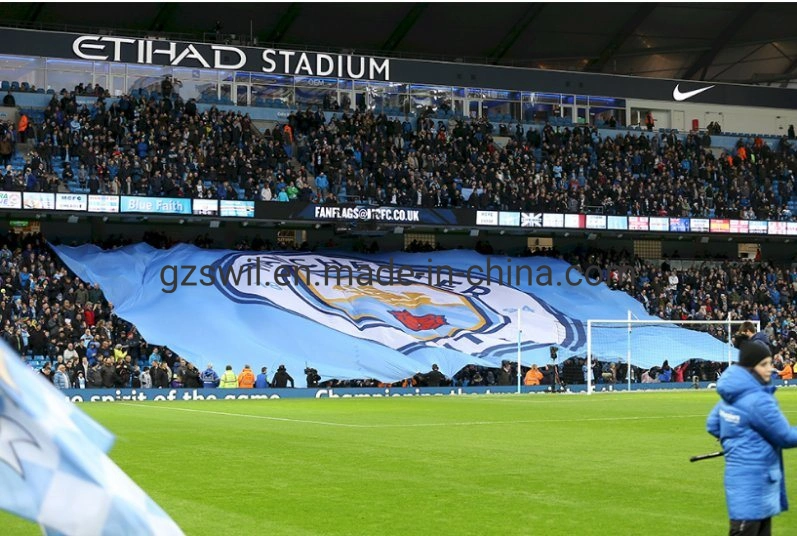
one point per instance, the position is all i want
(677, 95)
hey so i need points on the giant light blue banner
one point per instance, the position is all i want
(156, 205)
(384, 317)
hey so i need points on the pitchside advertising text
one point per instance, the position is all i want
(163, 395)
(167, 395)
(259, 271)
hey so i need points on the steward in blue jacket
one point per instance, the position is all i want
(209, 378)
(753, 432)
(261, 382)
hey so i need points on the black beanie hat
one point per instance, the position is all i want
(751, 353)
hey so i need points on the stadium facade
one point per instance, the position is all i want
(268, 77)
(268, 83)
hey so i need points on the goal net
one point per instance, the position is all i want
(633, 351)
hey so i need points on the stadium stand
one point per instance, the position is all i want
(150, 145)
(144, 144)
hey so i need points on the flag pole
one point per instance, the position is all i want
(628, 352)
(588, 371)
(730, 340)
(519, 331)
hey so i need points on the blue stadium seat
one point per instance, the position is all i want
(14, 86)
(5, 85)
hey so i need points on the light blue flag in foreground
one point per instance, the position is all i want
(231, 307)
(53, 466)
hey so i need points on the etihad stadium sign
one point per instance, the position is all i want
(269, 60)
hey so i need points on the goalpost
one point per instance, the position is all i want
(647, 343)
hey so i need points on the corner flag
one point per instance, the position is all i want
(53, 464)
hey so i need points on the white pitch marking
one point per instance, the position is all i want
(419, 425)
(266, 417)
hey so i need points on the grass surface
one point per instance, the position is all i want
(508, 464)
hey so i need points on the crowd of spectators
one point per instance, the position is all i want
(460, 164)
(156, 146)
(165, 147)
(50, 315)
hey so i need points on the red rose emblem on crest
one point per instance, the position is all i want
(419, 323)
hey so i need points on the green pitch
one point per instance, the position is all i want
(530, 464)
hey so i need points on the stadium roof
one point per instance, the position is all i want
(725, 42)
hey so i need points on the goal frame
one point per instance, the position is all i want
(630, 322)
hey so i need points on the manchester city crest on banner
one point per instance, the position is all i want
(406, 307)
